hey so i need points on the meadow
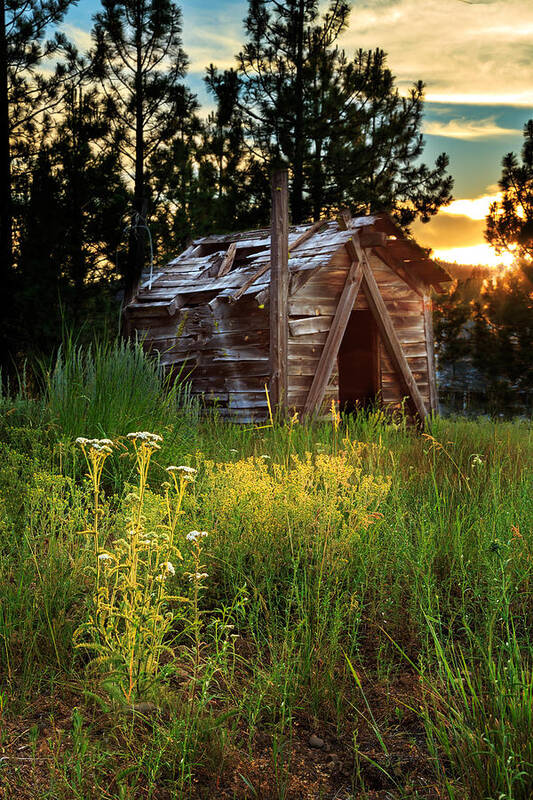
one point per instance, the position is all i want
(199, 609)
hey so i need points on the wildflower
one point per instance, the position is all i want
(233, 450)
(99, 448)
(168, 568)
(187, 470)
(104, 557)
(81, 440)
(145, 542)
(194, 535)
(267, 458)
(198, 576)
(145, 436)
(477, 461)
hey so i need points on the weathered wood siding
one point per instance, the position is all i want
(191, 316)
(311, 311)
(406, 308)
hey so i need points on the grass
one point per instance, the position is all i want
(366, 584)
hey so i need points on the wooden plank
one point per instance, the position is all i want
(265, 267)
(410, 278)
(316, 226)
(299, 327)
(154, 309)
(336, 332)
(279, 287)
(317, 306)
(227, 261)
(389, 335)
(251, 280)
(430, 347)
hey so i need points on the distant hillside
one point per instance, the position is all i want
(463, 272)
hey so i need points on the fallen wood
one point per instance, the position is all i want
(261, 271)
(228, 260)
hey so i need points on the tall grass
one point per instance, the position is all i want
(343, 562)
(111, 388)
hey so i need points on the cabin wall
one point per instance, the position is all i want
(221, 347)
(311, 312)
(406, 308)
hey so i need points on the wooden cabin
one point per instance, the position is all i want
(349, 320)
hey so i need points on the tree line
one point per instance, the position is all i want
(107, 162)
(484, 324)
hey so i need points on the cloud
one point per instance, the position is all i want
(475, 209)
(445, 230)
(463, 128)
(464, 52)
(456, 233)
(80, 37)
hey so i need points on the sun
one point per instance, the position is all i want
(479, 254)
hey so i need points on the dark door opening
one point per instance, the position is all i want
(358, 362)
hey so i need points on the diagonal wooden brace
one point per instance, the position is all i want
(333, 342)
(388, 334)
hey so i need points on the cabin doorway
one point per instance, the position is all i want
(358, 363)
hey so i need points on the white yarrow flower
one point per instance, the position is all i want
(145, 436)
(193, 536)
(104, 557)
(187, 470)
(198, 576)
(168, 568)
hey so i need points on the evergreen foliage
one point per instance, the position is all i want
(510, 220)
(340, 124)
(27, 94)
(140, 63)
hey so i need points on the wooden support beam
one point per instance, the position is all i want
(389, 335)
(430, 346)
(344, 219)
(279, 288)
(249, 282)
(316, 226)
(336, 332)
(409, 277)
(227, 261)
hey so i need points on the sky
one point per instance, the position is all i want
(475, 57)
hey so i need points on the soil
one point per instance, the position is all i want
(34, 746)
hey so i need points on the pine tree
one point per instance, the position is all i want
(503, 339)
(141, 64)
(93, 194)
(240, 196)
(26, 94)
(72, 223)
(374, 146)
(510, 220)
(341, 125)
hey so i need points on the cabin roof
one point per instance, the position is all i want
(236, 265)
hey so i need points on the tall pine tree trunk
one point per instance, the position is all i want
(140, 204)
(6, 252)
(317, 181)
(299, 144)
(6, 245)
